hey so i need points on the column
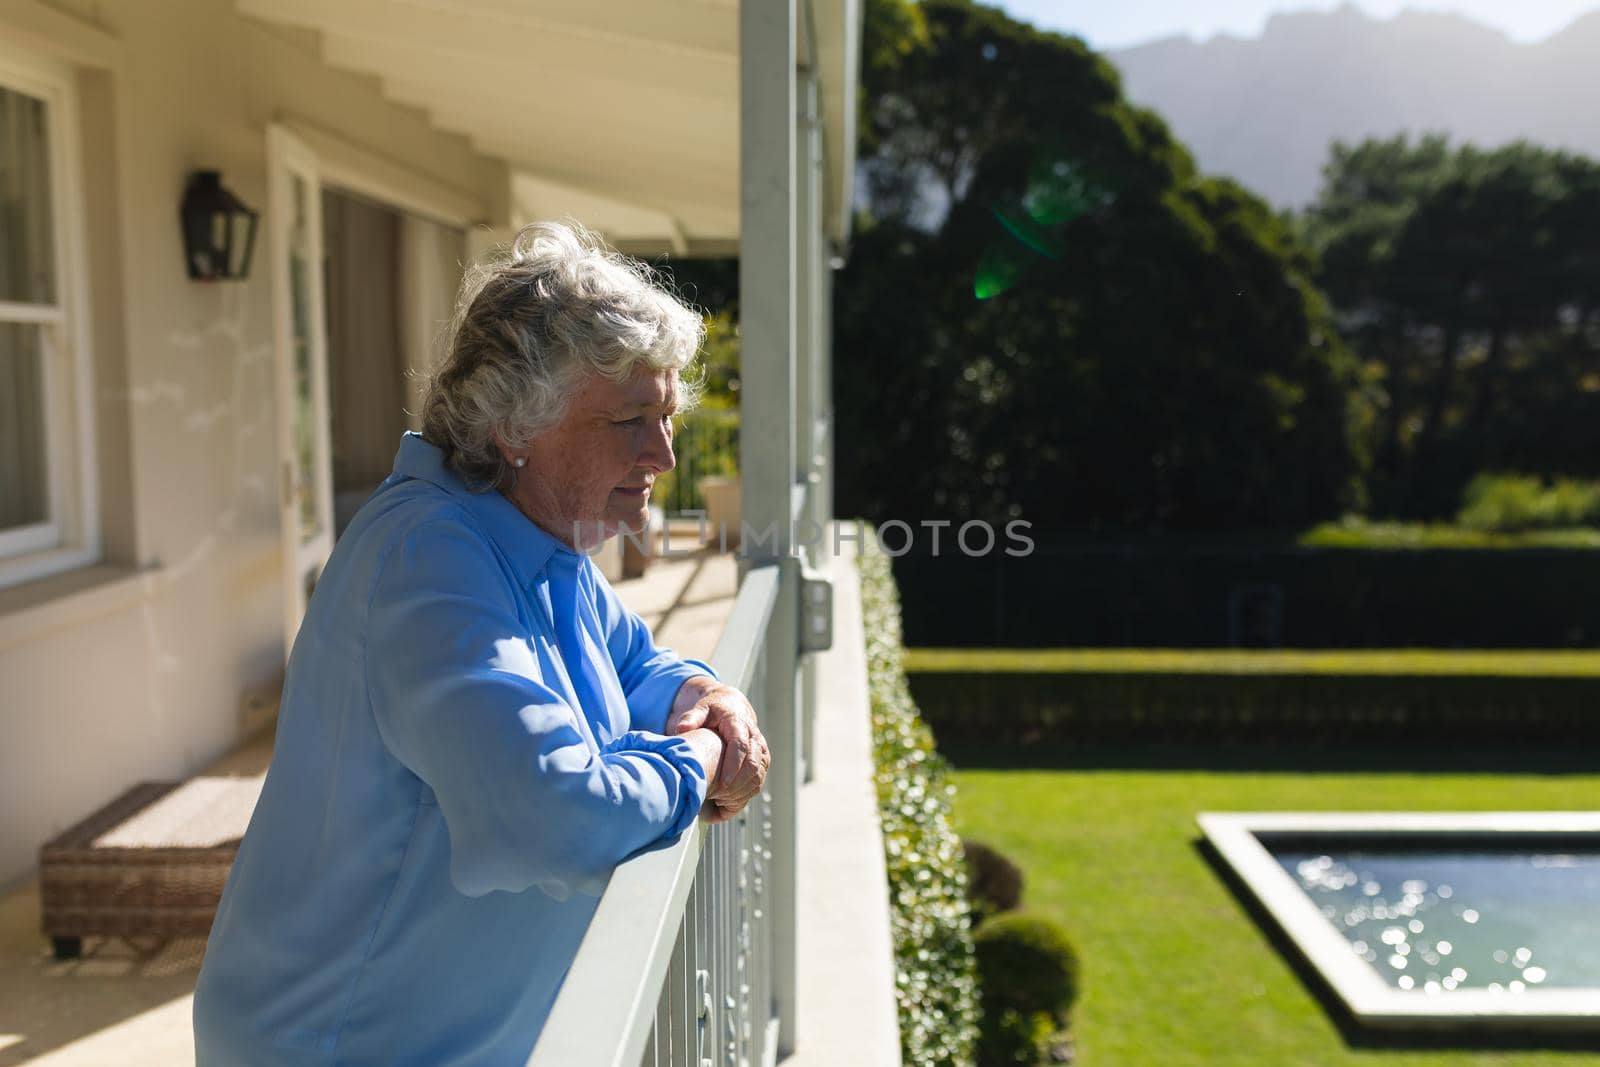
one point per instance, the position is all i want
(767, 261)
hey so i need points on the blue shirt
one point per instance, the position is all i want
(470, 739)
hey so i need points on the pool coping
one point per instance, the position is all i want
(1370, 999)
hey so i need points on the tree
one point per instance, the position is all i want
(1466, 280)
(1047, 312)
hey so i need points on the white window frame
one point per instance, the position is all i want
(299, 150)
(70, 536)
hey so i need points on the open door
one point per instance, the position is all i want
(301, 356)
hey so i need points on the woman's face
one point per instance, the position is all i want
(589, 476)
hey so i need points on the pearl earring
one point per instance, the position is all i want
(520, 461)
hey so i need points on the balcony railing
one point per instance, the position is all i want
(677, 966)
(706, 444)
(691, 957)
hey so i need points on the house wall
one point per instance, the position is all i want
(140, 668)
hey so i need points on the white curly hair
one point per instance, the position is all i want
(532, 321)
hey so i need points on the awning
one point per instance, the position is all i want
(624, 113)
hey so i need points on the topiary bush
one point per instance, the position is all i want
(1011, 1038)
(935, 985)
(1028, 972)
(1027, 962)
(994, 883)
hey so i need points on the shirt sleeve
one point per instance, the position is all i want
(457, 692)
(650, 675)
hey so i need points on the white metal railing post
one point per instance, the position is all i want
(818, 291)
(822, 495)
(808, 227)
(808, 236)
(767, 263)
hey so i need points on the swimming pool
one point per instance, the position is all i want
(1433, 920)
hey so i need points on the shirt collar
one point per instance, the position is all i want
(525, 544)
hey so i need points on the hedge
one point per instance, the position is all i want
(1518, 663)
(1204, 595)
(935, 983)
(1433, 709)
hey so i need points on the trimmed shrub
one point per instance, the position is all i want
(1011, 1038)
(1185, 593)
(1434, 710)
(1028, 972)
(1027, 962)
(994, 883)
(935, 985)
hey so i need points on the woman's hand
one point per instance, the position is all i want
(707, 748)
(704, 704)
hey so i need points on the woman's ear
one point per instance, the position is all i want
(512, 456)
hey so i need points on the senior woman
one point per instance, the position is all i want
(474, 730)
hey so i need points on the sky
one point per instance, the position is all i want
(1118, 23)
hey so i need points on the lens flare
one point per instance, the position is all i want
(999, 268)
(1058, 192)
(1027, 231)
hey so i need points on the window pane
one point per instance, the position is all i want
(27, 252)
(24, 489)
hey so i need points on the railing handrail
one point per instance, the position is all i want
(616, 977)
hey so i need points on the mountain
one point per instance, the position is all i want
(1264, 110)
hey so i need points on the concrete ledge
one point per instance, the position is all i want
(846, 1011)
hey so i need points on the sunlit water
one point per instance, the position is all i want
(1435, 920)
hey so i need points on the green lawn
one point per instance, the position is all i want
(1583, 663)
(1174, 970)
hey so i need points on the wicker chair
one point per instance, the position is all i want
(151, 863)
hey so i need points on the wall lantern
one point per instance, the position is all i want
(219, 231)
